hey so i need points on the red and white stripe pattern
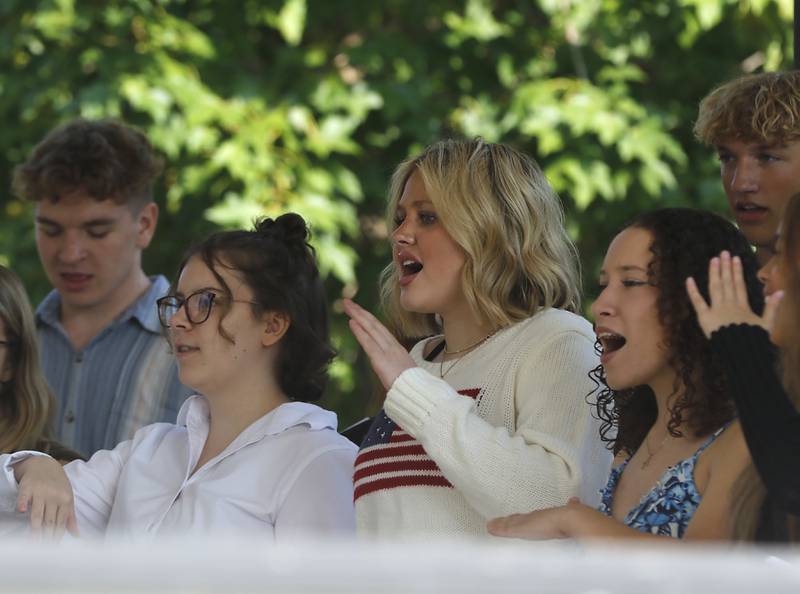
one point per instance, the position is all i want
(391, 458)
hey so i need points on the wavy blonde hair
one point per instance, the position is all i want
(25, 400)
(754, 108)
(498, 206)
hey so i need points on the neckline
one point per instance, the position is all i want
(661, 478)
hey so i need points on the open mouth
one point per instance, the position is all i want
(411, 267)
(749, 209)
(611, 342)
(182, 349)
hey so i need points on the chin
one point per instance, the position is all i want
(415, 305)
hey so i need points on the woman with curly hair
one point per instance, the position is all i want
(765, 380)
(664, 401)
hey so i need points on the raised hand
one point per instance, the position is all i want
(46, 492)
(387, 356)
(728, 296)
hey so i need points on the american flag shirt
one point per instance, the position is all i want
(390, 458)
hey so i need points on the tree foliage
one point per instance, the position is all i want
(263, 106)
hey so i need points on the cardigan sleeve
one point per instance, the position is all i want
(769, 419)
(554, 452)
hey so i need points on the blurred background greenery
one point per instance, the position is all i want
(263, 106)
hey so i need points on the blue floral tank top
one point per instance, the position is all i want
(668, 507)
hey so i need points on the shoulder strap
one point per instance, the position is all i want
(435, 351)
(711, 439)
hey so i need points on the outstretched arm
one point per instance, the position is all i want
(574, 520)
(38, 486)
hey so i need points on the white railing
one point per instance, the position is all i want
(207, 564)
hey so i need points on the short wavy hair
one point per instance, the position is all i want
(104, 158)
(497, 205)
(754, 108)
(278, 263)
(683, 242)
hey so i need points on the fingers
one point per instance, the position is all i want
(726, 276)
(62, 515)
(698, 303)
(504, 526)
(739, 288)
(364, 338)
(36, 518)
(72, 524)
(370, 325)
(23, 500)
(714, 281)
(771, 309)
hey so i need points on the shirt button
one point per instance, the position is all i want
(79, 358)
(69, 417)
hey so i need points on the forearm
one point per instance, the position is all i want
(770, 421)
(498, 473)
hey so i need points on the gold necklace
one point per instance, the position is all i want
(651, 453)
(442, 371)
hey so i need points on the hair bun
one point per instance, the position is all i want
(290, 228)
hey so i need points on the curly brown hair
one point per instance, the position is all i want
(104, 158)
(684, 240)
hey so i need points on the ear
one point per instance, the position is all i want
(146, 221)
(276, 323)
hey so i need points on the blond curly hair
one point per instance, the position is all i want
(754, 108)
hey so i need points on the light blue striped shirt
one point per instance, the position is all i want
(123, 379)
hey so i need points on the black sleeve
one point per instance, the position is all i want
(769, 419)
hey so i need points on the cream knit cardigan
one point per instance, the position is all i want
(528, 441)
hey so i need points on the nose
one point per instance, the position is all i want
(404, 234)
(179, 319)
(745, 176)
(71, 249)
(765, 272)
(603, 305)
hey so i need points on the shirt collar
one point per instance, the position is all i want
(142, 310)
(194, 412)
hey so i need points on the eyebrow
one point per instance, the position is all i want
(179, 293)
(757, 148)
(627, 268)
(416, 203)
(92, 223)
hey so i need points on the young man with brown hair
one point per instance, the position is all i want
(754, 123)
(102, 350)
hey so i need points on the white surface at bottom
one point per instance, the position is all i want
(214, 565)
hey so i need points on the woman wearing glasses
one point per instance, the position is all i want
(248, 325)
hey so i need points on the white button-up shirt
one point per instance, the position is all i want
(288, 474)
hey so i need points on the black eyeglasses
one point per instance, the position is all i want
(197, 305)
